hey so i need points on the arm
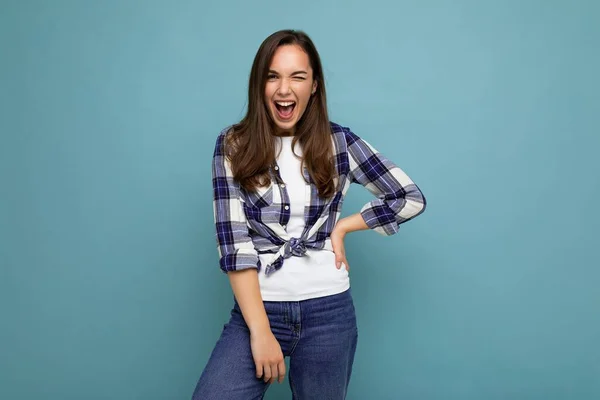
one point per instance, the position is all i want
(247, 293)
(237, 255)
(239, 259)
(266, 350)
(398, 198)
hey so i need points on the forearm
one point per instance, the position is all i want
(352, 223)
(246, 289)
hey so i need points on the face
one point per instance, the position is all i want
(290, 85)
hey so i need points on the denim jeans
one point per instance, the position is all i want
(318, 335)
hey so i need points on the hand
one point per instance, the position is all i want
(337, 241)
(267, 355)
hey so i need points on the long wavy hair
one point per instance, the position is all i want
(251, 144)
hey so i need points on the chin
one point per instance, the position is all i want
(287, 126)
(284, 126)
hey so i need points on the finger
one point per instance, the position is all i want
(259, 370)
(281, 369)
(267, 375)
(338, 261)
(274, 373)
(346, 264)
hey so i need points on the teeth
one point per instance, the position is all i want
(285, 103)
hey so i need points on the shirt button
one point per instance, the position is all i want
(282, 185)
(285, 227)
(276, 168)
(286, 207)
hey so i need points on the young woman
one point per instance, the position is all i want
(280, 177)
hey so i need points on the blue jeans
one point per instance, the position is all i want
(318, 335)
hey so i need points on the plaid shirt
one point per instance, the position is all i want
(253, 223)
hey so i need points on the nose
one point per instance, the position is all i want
(284, 87)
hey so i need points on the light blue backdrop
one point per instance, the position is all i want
(109, 282)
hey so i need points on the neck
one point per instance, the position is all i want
(279, 132)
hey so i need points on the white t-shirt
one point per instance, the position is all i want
(315, 274)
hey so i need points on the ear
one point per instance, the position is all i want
(314, 88)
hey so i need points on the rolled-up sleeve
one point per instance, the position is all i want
(235, 247)
(398, 197)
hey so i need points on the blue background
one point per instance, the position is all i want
(109, 281)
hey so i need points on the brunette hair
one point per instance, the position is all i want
(251, 144)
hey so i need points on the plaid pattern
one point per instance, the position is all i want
(253, 223)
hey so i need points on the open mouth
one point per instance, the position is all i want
(285, 109)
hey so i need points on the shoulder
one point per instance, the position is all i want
(221, 142)
(224, 132)
(343, 134)
(337, 129)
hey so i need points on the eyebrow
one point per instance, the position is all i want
(292, 74)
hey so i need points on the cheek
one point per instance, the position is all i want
(268, 93)
(304, 93)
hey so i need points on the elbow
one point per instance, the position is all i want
(422, 204)
(414, 205)
(418, 199)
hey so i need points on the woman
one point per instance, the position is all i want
(280, 177)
